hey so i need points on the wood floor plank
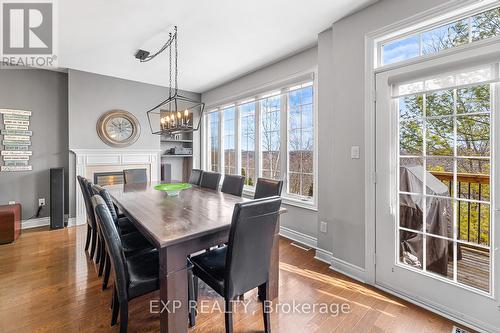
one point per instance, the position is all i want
(48, 284)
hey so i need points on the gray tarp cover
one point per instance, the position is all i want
(439, 220)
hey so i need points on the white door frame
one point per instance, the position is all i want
(370, 177)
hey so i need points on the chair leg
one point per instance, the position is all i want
(124, 317)
(195, 284)
(94, 243)
(228, 315)
(265, 298)
(98, 250)
(107, 271)
(115, 306)
(89, 233)
(191, 299)
(102, 260)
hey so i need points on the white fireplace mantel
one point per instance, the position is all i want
(89, 161)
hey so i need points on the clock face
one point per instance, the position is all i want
(118, 128)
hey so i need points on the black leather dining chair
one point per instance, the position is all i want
(195, 177)
(134, 176)
(267, 188)
(243, 264)
(89, 224)
(122, 223)
(233, 185)
(134, 276)
(90, 217)
(210, 180)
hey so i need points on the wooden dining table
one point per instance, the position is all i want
(178, 226)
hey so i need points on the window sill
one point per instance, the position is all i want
(309, 205)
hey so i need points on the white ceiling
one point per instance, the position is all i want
(219, 40)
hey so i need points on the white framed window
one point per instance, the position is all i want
(478, 23)
(248, 142)
(213, 142)
(270, 135)
(301, 141)
(229, 115)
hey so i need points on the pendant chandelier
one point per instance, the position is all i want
(177, 113)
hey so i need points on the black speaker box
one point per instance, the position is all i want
(57, 198)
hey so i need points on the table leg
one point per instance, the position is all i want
(274, 267)
(173, 291)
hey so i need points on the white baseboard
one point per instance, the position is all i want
(35, 223)
(324, 256)
(44, 221)
(71, 222)
(338, 265)
(299, 237)
(460, 318)
(351, 270)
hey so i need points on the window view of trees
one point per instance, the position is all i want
(214, 143)
(300, 141)
(275, 138)
(229, 141)
(477, 27)
(270, 139)
(247, 116)
(456, 123)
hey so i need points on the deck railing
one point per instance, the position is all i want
(473, 187)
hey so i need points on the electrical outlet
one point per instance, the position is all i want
(355, 152)
(41, 202)
(12, 202)
(323, 226)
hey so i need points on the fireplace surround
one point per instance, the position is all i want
(93, 163)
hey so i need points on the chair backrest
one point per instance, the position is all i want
(107, 200)
(113, 246)
(195, 176)
(86, 199)
(210, 180)
(268, 188)
(134, 176)
(233, 185)
(250, 244)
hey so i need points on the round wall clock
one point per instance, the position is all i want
(118, 128)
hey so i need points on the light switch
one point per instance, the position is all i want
(355, 152)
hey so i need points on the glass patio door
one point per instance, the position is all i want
(436, 163)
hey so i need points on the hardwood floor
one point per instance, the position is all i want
(47, 284)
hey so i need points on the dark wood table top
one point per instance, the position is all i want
(171, 220)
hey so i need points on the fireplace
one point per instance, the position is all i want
(105, 167)
(108, 178)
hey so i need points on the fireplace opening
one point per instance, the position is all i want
(108, 178)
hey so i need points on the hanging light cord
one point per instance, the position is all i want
(169, 42)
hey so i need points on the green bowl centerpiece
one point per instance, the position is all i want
(173, 189)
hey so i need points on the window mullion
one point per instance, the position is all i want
(284, 137)
(258, 139)
(221, 141)
(237, 138)
(207, 144)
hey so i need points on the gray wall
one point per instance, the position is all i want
(298, 219)
(90, 95)
(45, 93)
(342, 187)
(341, 75)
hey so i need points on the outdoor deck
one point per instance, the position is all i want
(473, 270)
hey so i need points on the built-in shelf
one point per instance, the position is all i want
(173, 140)
(172, 155)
